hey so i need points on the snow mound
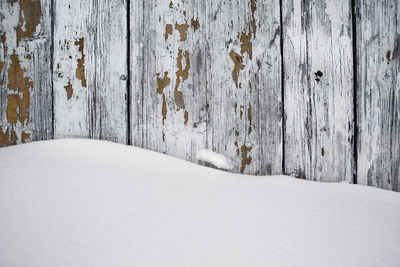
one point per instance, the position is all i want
(216, 159)
(94, 203)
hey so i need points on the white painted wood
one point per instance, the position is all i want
(244, 84)
(318, 89)
(168, 76)
(90, 61)
(378, 93)
(25, 73)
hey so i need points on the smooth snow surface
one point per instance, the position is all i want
(216, 159)
(93, 203)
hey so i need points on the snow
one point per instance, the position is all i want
(94, 203)
(218, 160)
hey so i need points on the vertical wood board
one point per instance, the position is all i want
(318, 89)
(90, 69)
(25, 73)
(168, 76)
(244, 84)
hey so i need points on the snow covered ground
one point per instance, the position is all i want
(93, 203)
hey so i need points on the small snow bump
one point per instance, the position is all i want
(218, 160)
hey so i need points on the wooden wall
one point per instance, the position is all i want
(306, 88)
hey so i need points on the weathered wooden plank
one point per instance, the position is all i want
(25, 73)
(244, 84)
(318, 89)
(378, 93)
(90, 63)
(168, 76)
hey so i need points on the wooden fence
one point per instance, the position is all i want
(306, 88)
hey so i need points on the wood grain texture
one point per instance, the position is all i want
(168, 76)
(378, 93)
(90, 63)
(244, 84)
(25, 73)
(318, 89)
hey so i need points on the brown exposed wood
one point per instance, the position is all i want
(164, 109)
(25, 89)
(246, 45)
(19, 83)
(69, 90)
(162, 82)
(24, 137)
(29, 19)
(12, 106)
(186, 116)
(80, 68)
(194, 24)
(168, 30)
(182, 29)
(181, 75)
(238, 66)
(1, 67)
(246, 159)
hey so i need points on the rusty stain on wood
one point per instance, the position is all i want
(162, 82)
(80, 69)
(238, 66)
(182, 28)
(69, 90)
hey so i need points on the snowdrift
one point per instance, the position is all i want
(94, 203)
